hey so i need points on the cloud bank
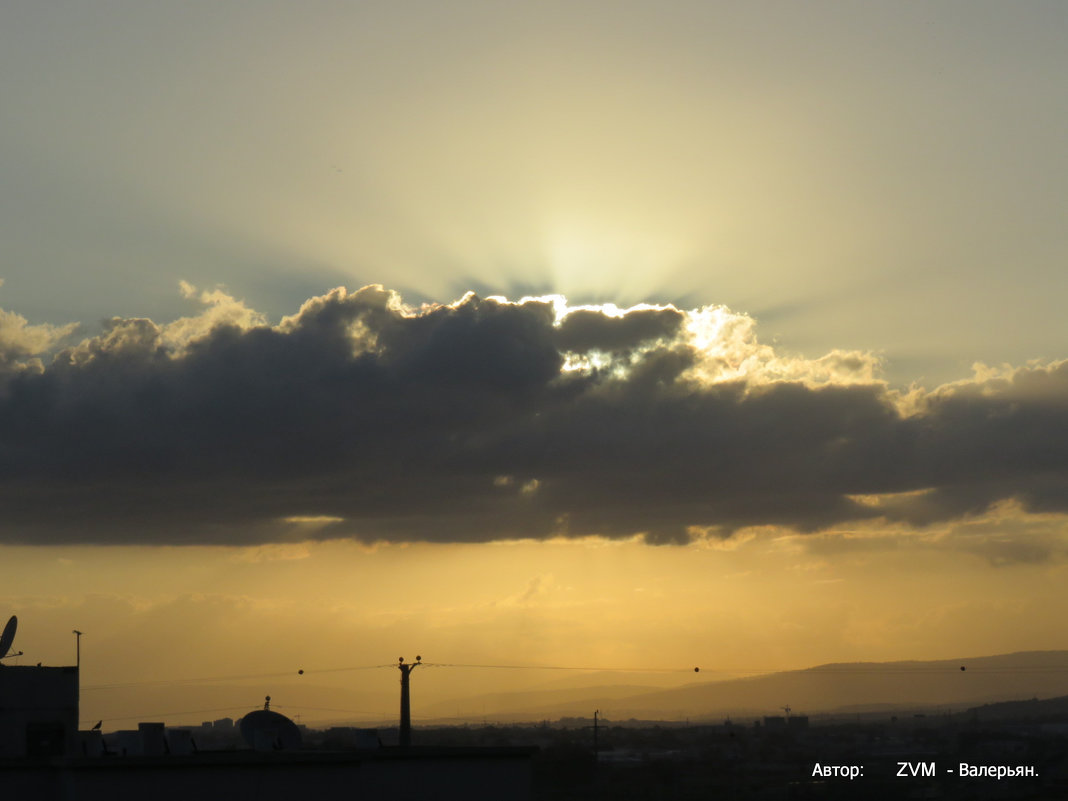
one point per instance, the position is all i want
(486, 419)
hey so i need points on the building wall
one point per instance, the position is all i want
(38, 711)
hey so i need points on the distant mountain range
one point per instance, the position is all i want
(856, 687)
(841, 688)
(1034, 709)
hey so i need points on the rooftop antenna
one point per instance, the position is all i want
(406, 699)
(786, 709)
(77, 647)
(8, 637)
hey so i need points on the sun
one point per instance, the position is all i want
(593, 261)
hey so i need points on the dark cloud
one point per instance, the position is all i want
(358, 417)
(589, 329)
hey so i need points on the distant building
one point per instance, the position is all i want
(791, 723)
(348, 737)
(152, 735)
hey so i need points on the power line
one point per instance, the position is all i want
(210, 679)
(873, 669)
(561, 667)
(845, 669)
(301, 707)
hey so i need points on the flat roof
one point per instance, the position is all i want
(259, 759)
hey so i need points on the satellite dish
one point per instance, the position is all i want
(8, 636)
(266, 730)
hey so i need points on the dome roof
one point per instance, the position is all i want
(265, 730)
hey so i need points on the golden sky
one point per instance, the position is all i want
(762, 366)
(772, 601)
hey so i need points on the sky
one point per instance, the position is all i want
(624, 335)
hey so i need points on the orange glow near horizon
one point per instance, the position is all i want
(772, 601)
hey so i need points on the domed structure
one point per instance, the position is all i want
(265, 730)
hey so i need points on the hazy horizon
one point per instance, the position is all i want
(369, 696)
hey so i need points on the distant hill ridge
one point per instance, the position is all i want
(823, 688)
(836, 688)
(1034, 709)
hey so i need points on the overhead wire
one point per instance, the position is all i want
(817, 671)
(843, 669)
(211, 679)
(561, 667)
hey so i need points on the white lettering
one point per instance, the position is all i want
(906, 769)
(838, 771)
(997, 771)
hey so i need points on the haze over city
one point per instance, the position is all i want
(602, 335)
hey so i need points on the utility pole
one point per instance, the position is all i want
(596, 729)
(406, 699)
